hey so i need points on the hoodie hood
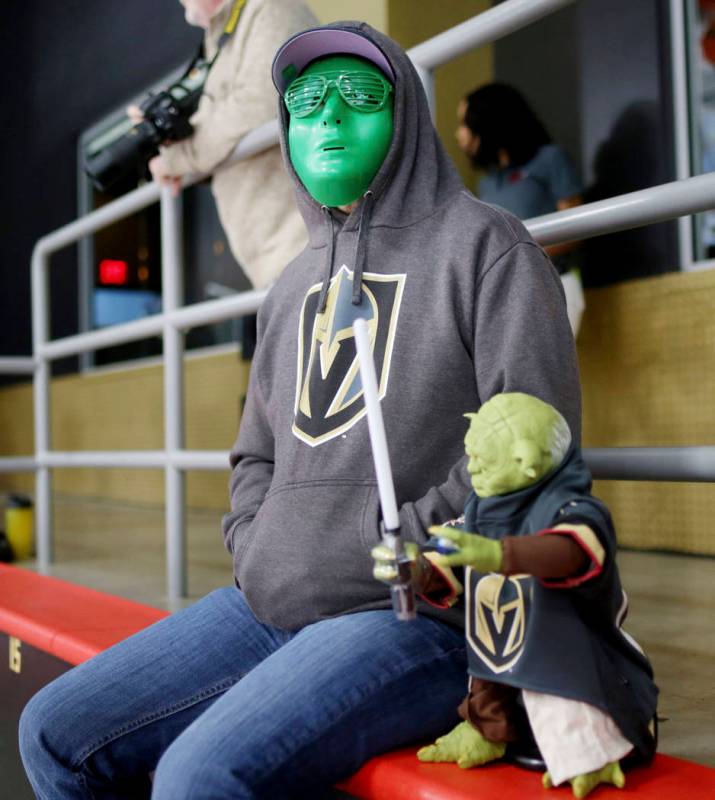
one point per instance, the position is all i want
(416, 176)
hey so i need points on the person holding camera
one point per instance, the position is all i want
(254, 197)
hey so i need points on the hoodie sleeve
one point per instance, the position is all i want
(522, 343)
(441, 503)
(522, 338)
(252, 462)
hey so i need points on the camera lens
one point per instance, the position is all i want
(124, 156)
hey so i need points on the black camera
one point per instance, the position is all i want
(125, 149)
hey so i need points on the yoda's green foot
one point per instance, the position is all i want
(464, 746)
(583, 785)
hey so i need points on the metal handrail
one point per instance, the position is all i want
(137, 459)
(695, 464)
(632, 210)
(485, 28)
(193, 316)
(644, 207)
(690, 464)
(637, 208)
(17, 365)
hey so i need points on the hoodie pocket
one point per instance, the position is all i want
(306, 555)
(241, 538)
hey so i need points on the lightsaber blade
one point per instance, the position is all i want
(403, 598)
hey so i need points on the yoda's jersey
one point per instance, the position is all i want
(562, 638)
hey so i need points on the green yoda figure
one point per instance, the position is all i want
(548, 657)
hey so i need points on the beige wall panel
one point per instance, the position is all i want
(108, 410)
(123, 409)
(410, 23)
(141, 486)
(215, 389)
(647, 355)
(374, 12)
(16, 433)
(661, 516)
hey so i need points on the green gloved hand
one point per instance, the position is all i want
(385, 567)
(478, 552)
(464, 746)
(583, 785)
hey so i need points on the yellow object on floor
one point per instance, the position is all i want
(20, 527)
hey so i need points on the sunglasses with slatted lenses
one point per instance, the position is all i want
(362, 90)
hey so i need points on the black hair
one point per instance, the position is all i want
(502, 119)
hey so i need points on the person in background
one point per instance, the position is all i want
(525, 172)
(254, 197)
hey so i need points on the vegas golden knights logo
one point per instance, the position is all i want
(328, 394)
(497, 609)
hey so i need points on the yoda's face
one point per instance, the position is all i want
(510, 443)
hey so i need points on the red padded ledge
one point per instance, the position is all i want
(399, 776)
(68, 621)
(74, 623)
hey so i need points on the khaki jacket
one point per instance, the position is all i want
(255, 197)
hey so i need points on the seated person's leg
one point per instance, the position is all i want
(341, 691)
(100, 728)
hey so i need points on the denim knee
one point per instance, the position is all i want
(31, 734)
(185, 772)
(40, 734)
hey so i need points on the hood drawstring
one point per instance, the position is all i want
(361, 248)
(323, 299)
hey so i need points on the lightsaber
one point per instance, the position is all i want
(403, 596)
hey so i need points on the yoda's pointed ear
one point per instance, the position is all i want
(470, 415)
(528, 456)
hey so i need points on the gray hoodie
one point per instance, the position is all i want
(461, 303)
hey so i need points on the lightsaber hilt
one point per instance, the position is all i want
(401, 590)
(402, 593)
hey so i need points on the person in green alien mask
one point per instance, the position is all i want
(544, 606)
(340, 127)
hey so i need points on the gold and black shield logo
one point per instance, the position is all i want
(328, 395)
(497, 611)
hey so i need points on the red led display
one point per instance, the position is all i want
(113, 272)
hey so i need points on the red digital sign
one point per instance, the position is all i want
(113, 272)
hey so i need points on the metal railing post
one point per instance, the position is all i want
(681, 127)
(41, 403)
(172, 277)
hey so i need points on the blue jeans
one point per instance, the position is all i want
(222, 706)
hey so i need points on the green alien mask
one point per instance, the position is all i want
(340, 127)
(513, 441)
